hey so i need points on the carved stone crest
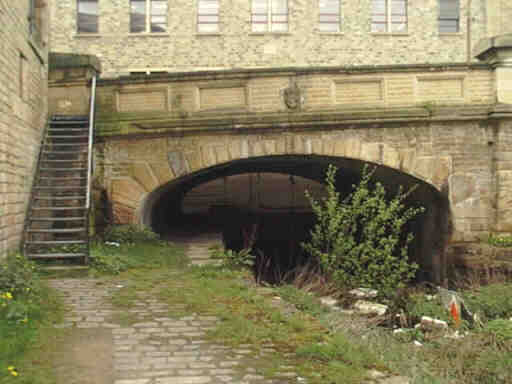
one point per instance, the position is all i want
(293, 97)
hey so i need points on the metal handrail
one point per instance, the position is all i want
(91, 134)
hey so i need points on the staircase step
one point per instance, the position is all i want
(70, 218)
(68, 137)
(63, 169)
(61, 178)
(72, 197)
(57, 187)
(55, 255)
(68, 122)
(67, 129)
(64, 145)
(63, 230)
(56, 242)
(58, 208)
(65, 152)
(62, 161)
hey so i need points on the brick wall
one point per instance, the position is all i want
(235, 46)
(23, 106)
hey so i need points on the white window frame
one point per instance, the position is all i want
(389, 19)
(148, 15)
(269, 23)
(457, 19)
(324, 23)
(201, 23)
(79, 28)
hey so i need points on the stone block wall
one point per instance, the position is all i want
(23, 113)
(154, 100)
(182, 48)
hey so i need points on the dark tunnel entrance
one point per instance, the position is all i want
(264, 197)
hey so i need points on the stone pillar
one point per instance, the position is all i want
(497, 51)
(69, 81)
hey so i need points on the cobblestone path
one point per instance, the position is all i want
(156, 348)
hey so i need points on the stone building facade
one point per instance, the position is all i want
(234, 41)
(23, 109)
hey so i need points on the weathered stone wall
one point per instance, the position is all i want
(452, 156)
(138, 105)
(439, 124)
(235, 46)
(429, 122)
(499, 15)
(23, 113)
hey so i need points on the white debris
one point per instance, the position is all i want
(364, 293)
(370, 308)
(329, 301)
(417, 343)
(429, 323)
(399, 330)
(456, 335)
(113, 243)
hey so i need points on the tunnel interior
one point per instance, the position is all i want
(263, 200)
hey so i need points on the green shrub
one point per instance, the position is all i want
(504, 241)
(233, 259)
(129, 233)
(493, 301)
(501, 329)
(361, 240)
(18, 275)
(419, 306)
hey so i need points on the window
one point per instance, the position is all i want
(22, 73)
(269, 15)
(208, 16)
(148, 16)
(449, 16)
(329, 15)
(87, 19)
(36, 20)
(389, 16)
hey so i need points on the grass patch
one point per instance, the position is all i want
(247, 317)
(493, 301)
(109, 259)
(28, 310)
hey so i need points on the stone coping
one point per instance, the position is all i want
(72, 60)
(289, 71)
(486, 46)
(168, 126)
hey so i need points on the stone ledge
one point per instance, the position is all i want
(485, 47)
(291, 71)
(71, 60)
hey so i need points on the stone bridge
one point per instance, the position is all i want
(440, 127)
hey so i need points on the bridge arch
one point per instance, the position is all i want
(150, 185)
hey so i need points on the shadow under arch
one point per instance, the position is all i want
(432, 228)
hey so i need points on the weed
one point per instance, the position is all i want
(493, 301)
(129, 233)
(504, 241)
(233, 259)
(361, 241)
(112, 260)
(501, 329)
(27, 311)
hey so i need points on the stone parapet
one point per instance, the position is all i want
(69, 83)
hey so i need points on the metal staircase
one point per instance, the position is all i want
(57, 224)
